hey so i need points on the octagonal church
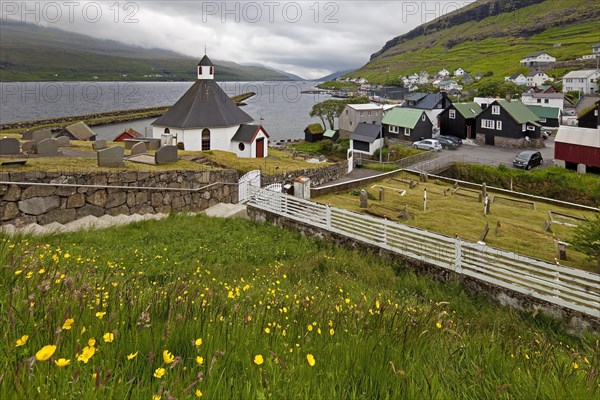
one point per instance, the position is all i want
(205, 118)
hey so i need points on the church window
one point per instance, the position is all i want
(205, 139)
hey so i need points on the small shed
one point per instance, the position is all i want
(128, 133)
(251, 141)
(313, 133)
(366, 138)
(332, 135)
(577, 147)
(549, 116)
(79, 131)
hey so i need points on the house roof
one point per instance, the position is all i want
(204, 105)
(535, 73)
(518, 111)
(580, 136)
(557, 95)
(205, 62)
(128, 133)
(596, 46)
(366, 132)
(365, 107)
(418, 96)
(427, 102)
(582, 73)
(544, 112)
(468, 110)
(403, 117)
(515, 76)
(586, 102)
(329, 133)
(247, 133)
(539, 53)
(81, 131)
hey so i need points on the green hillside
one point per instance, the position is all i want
(490, 35)
(34, 53)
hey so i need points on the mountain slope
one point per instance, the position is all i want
(31, 52)
(490, 35)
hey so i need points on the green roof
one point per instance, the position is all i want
(468, 110)
(403, 117)
(518, 111)
(544, 112)
(329, 133)
(315, 129)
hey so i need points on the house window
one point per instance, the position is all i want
(488, 123)
(542, 119)
(205, 139)
(539, 100)
(211, 70)
(496, 110)
(393, 129)
(350, 123)
(498, 125)
(423, 117)
(241, 146)
(452, 114)
(407, 131)
(524, 127)
(531, 128)
(167, 130)
(546, 101)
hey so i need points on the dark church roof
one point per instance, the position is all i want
(205, 62)
(247, 133)
(204, 105)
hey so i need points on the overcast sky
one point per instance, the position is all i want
(307, 38)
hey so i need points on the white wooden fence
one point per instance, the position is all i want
(250, 180)
(567, 287)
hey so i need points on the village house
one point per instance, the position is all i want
(590, 117)
(517, 78)
(205, 118)
(449, 85)
(354, 114)
(467, 79)
(443, 73)
(577, 148)
(554, 100)
(584, 81)
(538, 59)
(432, 103)
(366, 138)
(549, 116)
(537, 78)
(508, 124)
(424, 77)
(128, 133)
(407, 124)
(459, 120)
(458, 72)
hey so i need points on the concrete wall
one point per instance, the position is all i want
(578, 322)
(46, 197)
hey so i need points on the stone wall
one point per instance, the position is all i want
(318, 176)
(512, 143)
(46, 197)
(577, 322)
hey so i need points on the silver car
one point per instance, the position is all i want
(428, 144)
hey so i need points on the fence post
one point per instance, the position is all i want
(457, 255)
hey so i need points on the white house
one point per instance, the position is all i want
(537, 78)
(449, 85)
(537, 59)
(444, 73)
(366, 138)
(554, 100)
(424, 77)
(596, 50)
(459, 72)
(518, 79)
(205, 118)
(413, 78)
(584, 81)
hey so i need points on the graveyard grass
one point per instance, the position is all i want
(193, 306)
(521, 227)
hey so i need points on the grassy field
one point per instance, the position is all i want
(521, 227)
(194, 307)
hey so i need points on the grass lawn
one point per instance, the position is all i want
(521, 227)
(230, 309)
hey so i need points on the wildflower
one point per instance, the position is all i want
(159, 373)
(86, 354)
(331, 331)
(310, 359)
(438, 325)
(67, 255)
(100, 314)
(62, 362)
(18, 272)
(108, 337)
(310, 327)
(575, 365)
(67, 324)
(586, 360)
(45, 352)
(168, 357)
(132, 356)
(200, 360)
(198, 393)
(258, 359)
(267, 330)
(198, 342)
(83, 330)
(155, 397)
(22, 341)
(91, 342)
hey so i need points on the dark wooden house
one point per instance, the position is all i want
(590, 118)
(459, 120)
(549, 116)
(313, 133)
(409, 124)
(508, 124)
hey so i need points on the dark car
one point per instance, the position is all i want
(447, 143)
(528, 159)
(455, 139)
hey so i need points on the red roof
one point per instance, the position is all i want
(129, 133)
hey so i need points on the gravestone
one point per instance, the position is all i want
(138, 148)
(413, 184)
(486, 229)
(28, 146)
(166, 155)
(111, 157)
(41, 134)
(9, 147)
(99, 144)
(561, 249)
(548, 226)
(46, 147)
(63, 141)
(381, 194)
(498, 228)
(154, 144)
(27, 135)
(364, 199)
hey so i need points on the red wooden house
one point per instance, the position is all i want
(129, 133)
(576, 147)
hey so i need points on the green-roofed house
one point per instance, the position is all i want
(507, 123)
(409, 124)
(332, 135)
(459, 120)
(549, 116)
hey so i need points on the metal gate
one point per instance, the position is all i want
(275, 187)
(252, 178)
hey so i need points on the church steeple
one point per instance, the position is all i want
(206, 69)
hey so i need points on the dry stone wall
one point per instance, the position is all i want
(45, 197)
(318, 176)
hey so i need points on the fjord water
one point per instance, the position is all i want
(279, 106)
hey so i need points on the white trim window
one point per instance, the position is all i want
(407, 131)
(452, 114)
(531, 128)
(496, 110)
(488, 123)
(498, 125)
(542, 119)
(393, 129)
(423, 117)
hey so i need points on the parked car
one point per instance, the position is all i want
(546, 133)
(447, 143)
(428, 144)
(528, 159)
(455, 139)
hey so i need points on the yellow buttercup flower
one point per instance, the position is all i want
(22, 341)
(438, 325)
(258, 359)
(198, 342)
(62, 362)
(155, 397)
(159, 373)
(108, 337)
(575, 365)
(168, 357)
(45, 352)
(86, 354)
(198, 393)
(200, 360)
(100, 314)
(132, 356)
(310, 359)
(91, 342)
